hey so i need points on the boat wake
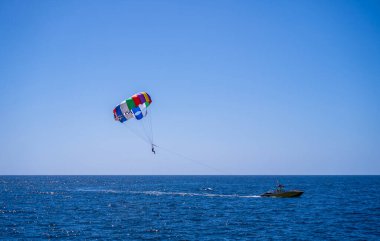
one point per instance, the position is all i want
(191, 194)
(99, 190)
(160, 193)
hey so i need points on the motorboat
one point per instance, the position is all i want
(281, 192)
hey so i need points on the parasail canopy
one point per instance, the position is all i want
(133, 107)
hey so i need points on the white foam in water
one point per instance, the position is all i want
(158, 193)
(99, 190)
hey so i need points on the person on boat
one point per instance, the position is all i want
(154, 152)
(280, 188)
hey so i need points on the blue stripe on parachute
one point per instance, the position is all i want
(138, 113)
(120, 114)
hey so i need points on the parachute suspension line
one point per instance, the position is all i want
(151, 127)
(147, 126)
(192, 160)
(145, 131)
(137, 134)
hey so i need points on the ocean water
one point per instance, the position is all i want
(188, 208)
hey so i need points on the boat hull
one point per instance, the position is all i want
(287, 194)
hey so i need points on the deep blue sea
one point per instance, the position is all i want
(188, 208)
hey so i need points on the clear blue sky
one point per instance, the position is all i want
(246, 87)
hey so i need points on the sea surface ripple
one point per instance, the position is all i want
(188, 208)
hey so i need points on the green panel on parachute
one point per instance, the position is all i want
(130, 103)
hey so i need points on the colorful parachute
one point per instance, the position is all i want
(136, 107)
(133, 107)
